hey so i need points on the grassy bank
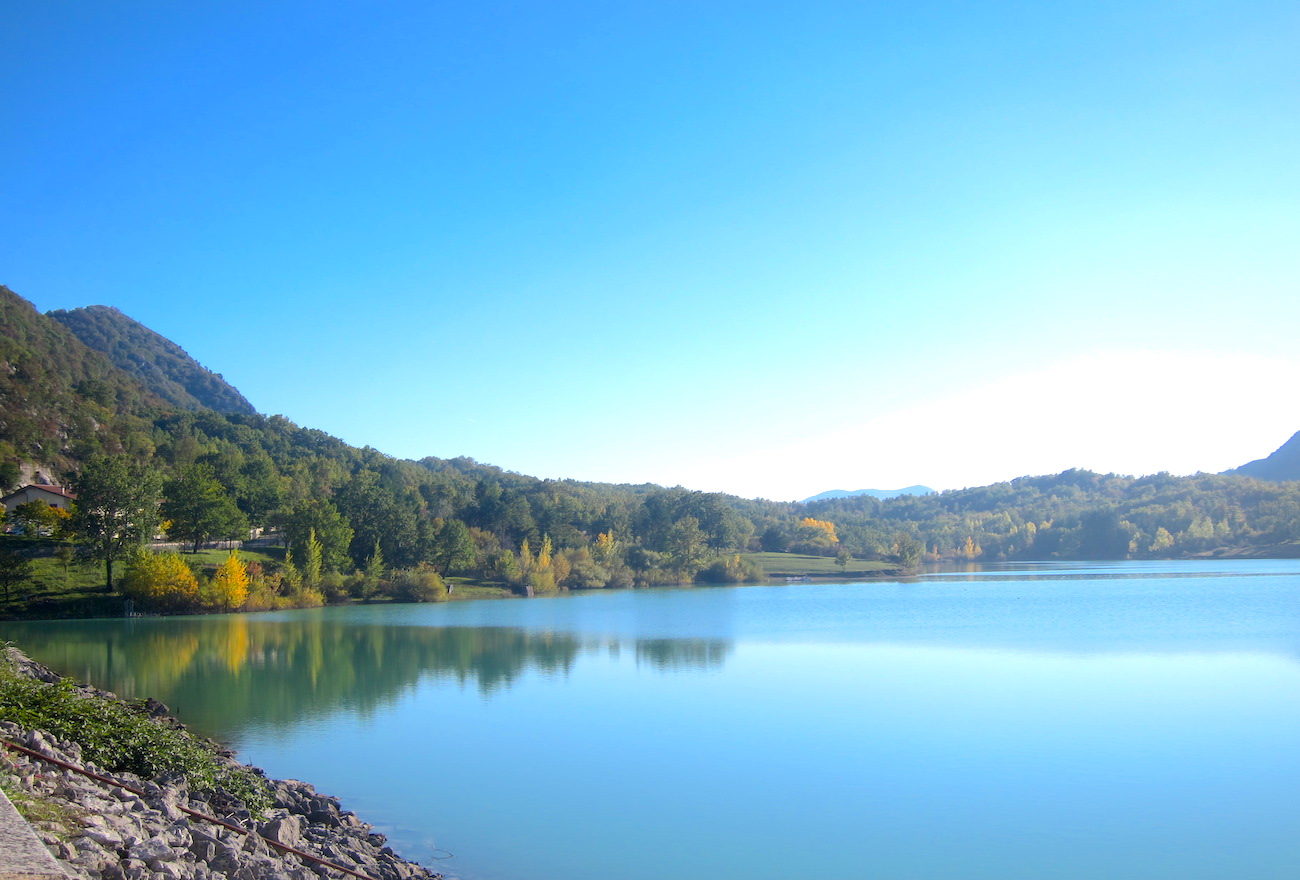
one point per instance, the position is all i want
(801, 565)
(72, 588)
(61, 588)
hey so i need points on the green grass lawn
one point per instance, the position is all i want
(464, 588)
(799, 565)
(214, 557)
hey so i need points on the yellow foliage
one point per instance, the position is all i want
(821, 526)
(561, 568)
(230, 583)
(162, 581)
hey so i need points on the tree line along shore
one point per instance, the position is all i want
(138, 441)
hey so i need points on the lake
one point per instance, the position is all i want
(1082, 720)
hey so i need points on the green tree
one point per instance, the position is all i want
(377, 513)
(374, 570)
(316, 515)
(908, 550)
(453, 548)
(15, 569)
(198, 509)
(38, 518)
(117, 509)
(9, 473)
(687, 545)
(65, 553)
(312, 559)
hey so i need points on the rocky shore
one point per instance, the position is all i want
(139, 829)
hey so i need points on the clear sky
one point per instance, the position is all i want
(762, 248)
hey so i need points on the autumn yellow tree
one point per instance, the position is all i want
(814, 536)
(821, 525)
(229, 588)
(161, 581)
(542, 577)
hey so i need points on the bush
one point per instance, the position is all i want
(732, 570)
(421, 584)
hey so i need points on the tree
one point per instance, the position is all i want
(372, 576)
(117, 509)
(14, 570)
(65, 553)
(378, 513)
(161, 581)
(686, 544)
(312, 559)
(453, 548)
(198, 508)
(9, 474)
(38, 518)
(230, 582)
(318, 516)
(908, 550)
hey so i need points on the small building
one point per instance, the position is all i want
(54, 496)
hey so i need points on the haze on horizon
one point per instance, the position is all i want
(768, 249)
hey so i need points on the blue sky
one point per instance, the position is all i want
(763, 248)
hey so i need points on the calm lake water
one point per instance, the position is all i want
(1102, 721)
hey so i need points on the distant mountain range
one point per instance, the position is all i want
(882, 494)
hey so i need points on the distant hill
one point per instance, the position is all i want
(1281, 466)
(882, 494)
(161, 365)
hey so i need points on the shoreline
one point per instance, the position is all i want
(102, 825)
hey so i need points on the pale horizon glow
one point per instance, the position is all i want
(770, 250)
(981, 436)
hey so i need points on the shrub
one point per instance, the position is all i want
(421, 584)
(732, 570)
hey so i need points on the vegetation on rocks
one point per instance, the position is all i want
(123, 737)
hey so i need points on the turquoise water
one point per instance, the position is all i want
(1110, 720)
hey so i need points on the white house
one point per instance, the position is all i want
(54, 496)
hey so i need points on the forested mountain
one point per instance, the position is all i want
(1283, 464)
(349, 514)
(161, 365)
(61, 401)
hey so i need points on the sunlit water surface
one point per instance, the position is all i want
(1110, 720)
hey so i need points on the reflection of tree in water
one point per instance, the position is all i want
(681, 654)
(223, 673)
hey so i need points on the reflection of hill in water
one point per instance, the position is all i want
(220, 673)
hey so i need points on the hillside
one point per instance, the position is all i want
(379, 526)
(161, 365)
(1283, 464)
(60, 400)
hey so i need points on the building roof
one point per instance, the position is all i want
(53, 490)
